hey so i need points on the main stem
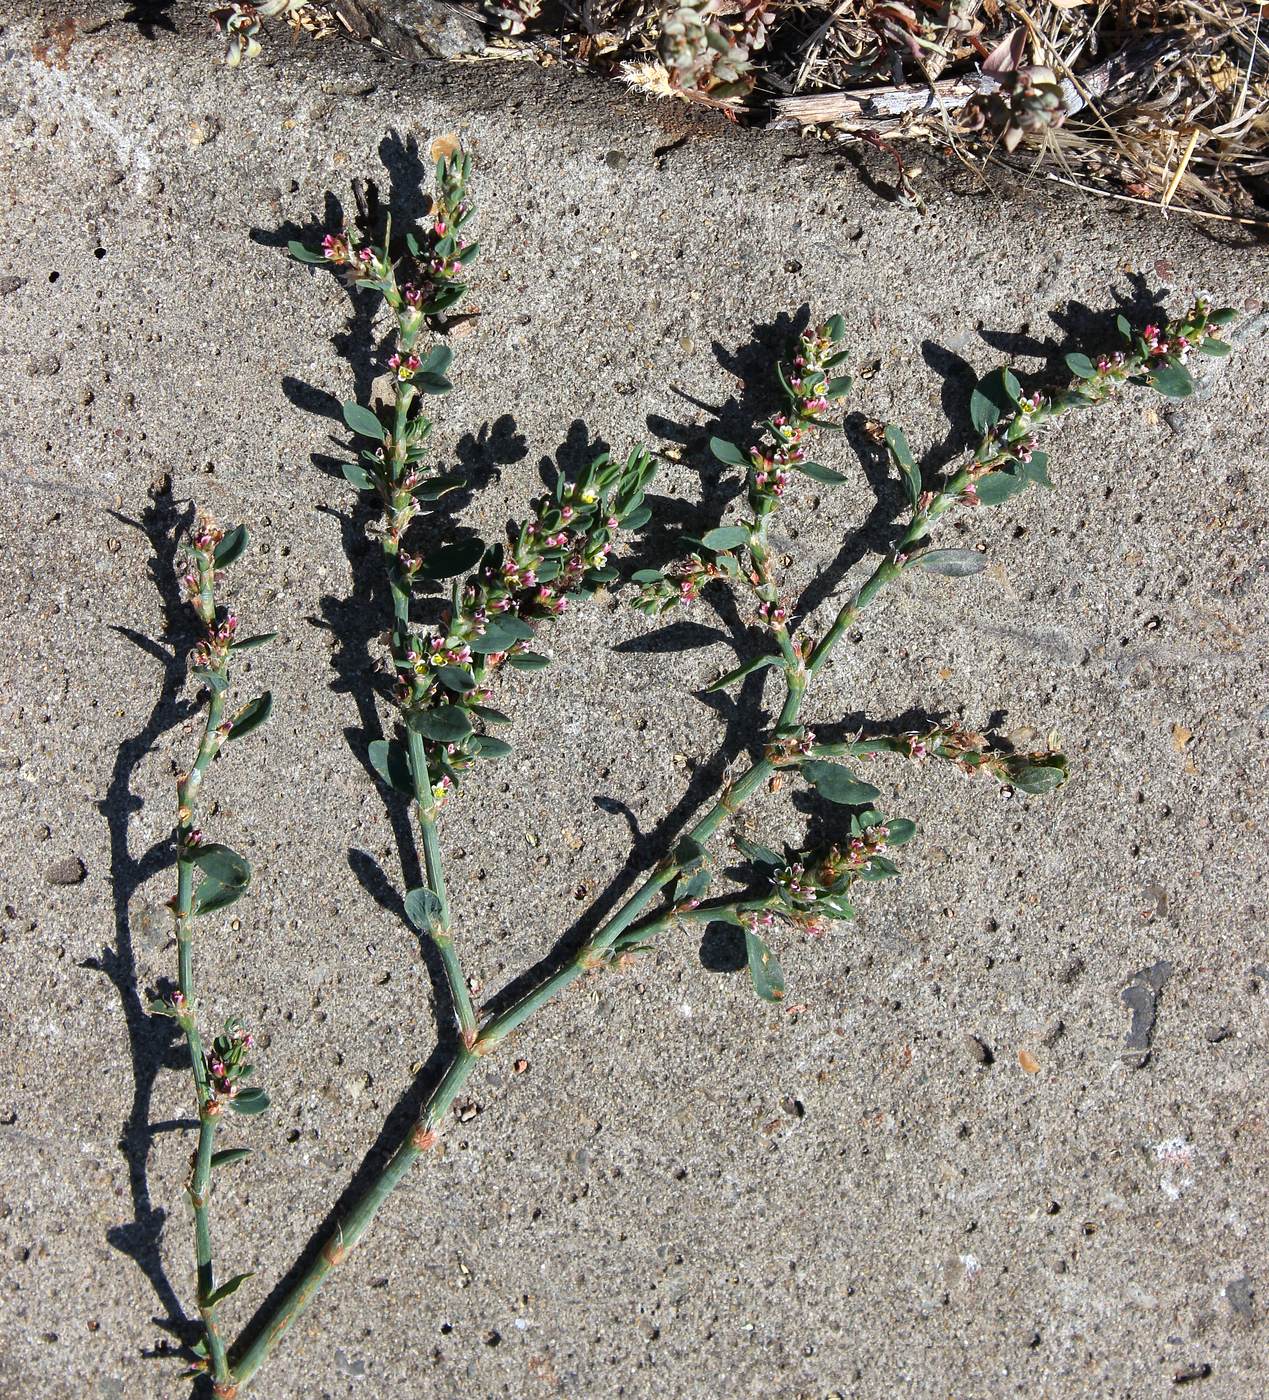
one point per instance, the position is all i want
(199, 1188)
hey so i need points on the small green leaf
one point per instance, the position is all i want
(695, 886)
(433, 383)
(901, 831)
(726, 537)
(904, 460)
(230, 549)
(357, 476)
(391, 761)
(1081, 366)
(877, 868)
(446, 724)
(1172, 381)
(528, 661)
(438, 360)
(1223, 317)
(836, 783)
(211, 896)
(363, 422)
(1123, 327)
(1036, 469)
(1039, 778)
(252, 715)
(227, 1156)
(226, 1290)
(647, 576)
(515, 627)
(995, 395)
(450, 560)
(302, 254)
(489, 747)
(835, 328)
(423, 909)
(250, 643)
(817, 471)
(996, 488)
(250, 1102)
(838, 388)
(728, 452)
(764, 968)
(637, 519)
(213, 680)
(838, 907)
(495, 638)
(760, 855)
(222, 864)
(757, 664)
(689, 854)
(1216, 348)
(434, 487)
(489, 715)
(456, 678)
(955, 563)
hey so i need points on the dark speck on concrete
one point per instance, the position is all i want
(1141, 997)
(979, 1049)
(1241, 1296)
(70, 871)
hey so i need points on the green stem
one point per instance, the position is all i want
(199, 1189)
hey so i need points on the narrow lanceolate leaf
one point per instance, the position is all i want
(252, 715)
(955, 563)
(392, 763)
(423, 909)
(726, 537)
(229, 1155)
(450, 560)
(909, 471)
(250, 643)
(302, 254)
(446, 724)
(363, 422)
(837, 783)
(728, 452)
(817, 471)
(757, 664)
(230, 549)
(489, 747)
(249, 1102)
(226, 1290)
(764, 968)
(434, 487)
(1172, 381)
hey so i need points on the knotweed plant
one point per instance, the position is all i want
(502, 598)
(209, 878)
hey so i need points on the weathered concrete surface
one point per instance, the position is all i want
(688, 1193)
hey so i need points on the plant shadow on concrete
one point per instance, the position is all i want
(504, 595)
(152, 1041)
